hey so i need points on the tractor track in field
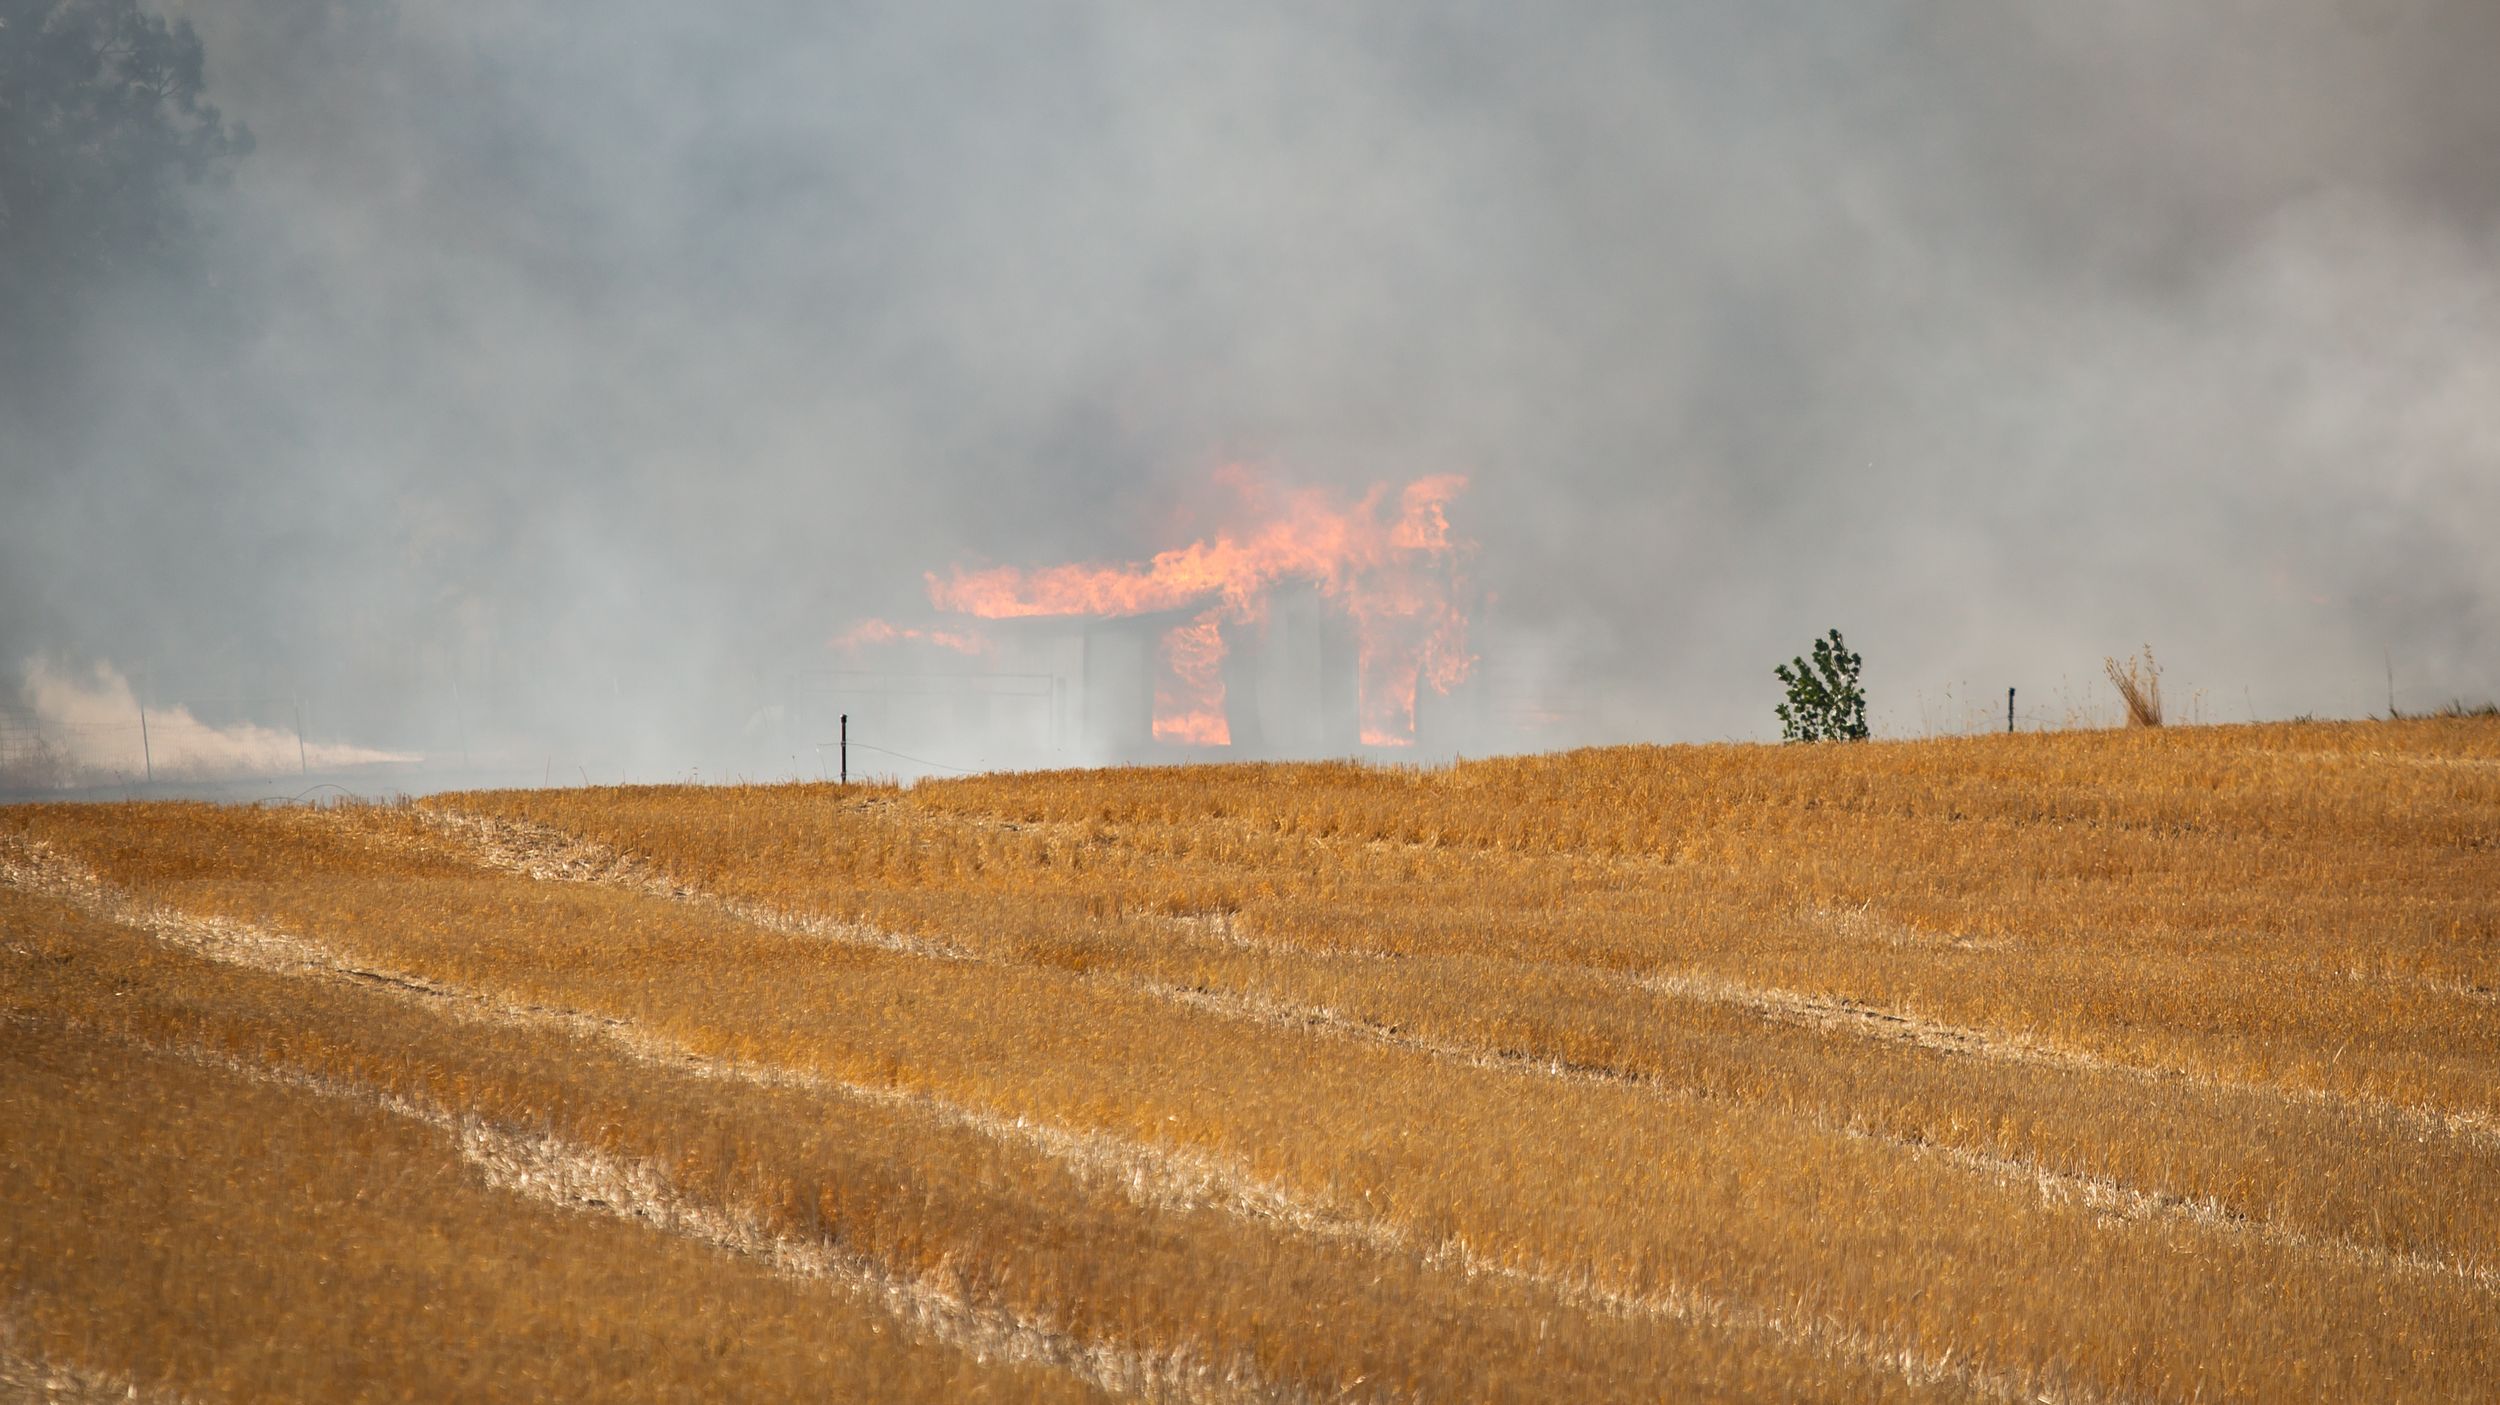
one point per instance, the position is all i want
(1858, 922)
(559, 1172)
(542, 852)
(1173, 1178)
(1871, 1022)
(569, 1176)
(546, 853)
(533, 851)
(2104, 1196)
(1151, 1174)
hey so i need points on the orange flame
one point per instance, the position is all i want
(868, 632)
(1189, 697)
(1396, 576)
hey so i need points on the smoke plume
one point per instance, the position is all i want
(94, 731)
(561, 388)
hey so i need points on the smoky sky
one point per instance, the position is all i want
(573, 372)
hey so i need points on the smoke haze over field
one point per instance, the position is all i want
(555, 381)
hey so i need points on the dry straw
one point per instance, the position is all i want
(2139, 682)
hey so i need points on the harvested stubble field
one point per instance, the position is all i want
(2153, 1065)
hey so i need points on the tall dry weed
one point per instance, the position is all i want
(2138, 679)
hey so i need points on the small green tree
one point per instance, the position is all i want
(1825, 703)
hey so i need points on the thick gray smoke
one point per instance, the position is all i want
(549, 382)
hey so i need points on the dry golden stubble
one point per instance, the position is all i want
(2341, 1027)
(2141, 812)
(1041, 1068)
(207, 1236)
(2264, 1162)
(719, 1133)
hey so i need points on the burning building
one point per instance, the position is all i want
(1307, 625)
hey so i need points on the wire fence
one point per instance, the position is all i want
(1959, 710)
(265, 738)
(59, 754)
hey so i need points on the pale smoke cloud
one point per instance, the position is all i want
(558, 381)
(90, 731)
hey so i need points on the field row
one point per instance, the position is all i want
(2121, 894)
(1136, 1258)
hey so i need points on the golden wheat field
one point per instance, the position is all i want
(2100, 1066)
